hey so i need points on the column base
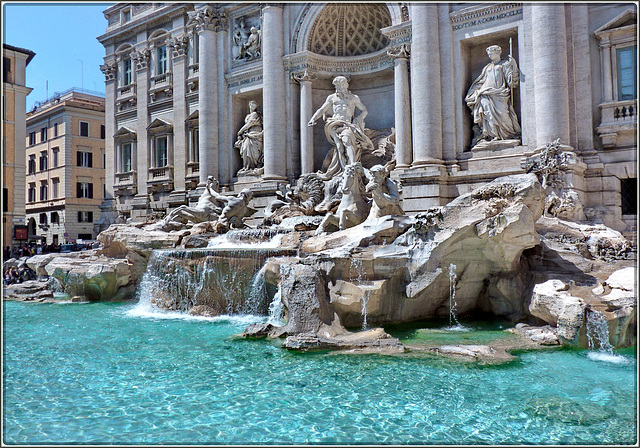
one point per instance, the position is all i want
(273, 178)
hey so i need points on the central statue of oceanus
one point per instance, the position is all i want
(343, 128)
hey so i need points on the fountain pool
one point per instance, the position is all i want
(106, 373)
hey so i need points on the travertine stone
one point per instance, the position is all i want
(426, 95)
(550, 77)
(208, 98)
(402, 105)
(273, 93)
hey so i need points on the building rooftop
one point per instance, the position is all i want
(29, 53)
(75, 95)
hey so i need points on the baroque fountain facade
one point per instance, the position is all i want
(381, 196)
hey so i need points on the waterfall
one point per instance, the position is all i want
(356, 266)
(600, 349)
(454, 324)
(276, 310)
(229, 281)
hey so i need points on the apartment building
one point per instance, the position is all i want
(14, 103)
(65, 167)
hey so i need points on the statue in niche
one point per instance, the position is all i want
(250, 142)
(343, 129)
(490, 98)
(385, 193)
(248, 47)
(206, 209)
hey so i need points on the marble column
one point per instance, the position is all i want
(178, 46)
(306, 111)
(402, 105)
(141, 58)
(224, 155)
(273, 93)
(607, 82)
(206, 19)
(426, 88)
(550, 78)
(109, 71)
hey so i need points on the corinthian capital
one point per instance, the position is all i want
(141, 58)
(208, 18)
(109, 69)
(178, 45)
(401, 51)
(275, 5)
(306, 75)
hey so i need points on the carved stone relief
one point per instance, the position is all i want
(246, 39)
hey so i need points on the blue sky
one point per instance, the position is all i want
(61, 35)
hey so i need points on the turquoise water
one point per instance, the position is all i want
(115, 374)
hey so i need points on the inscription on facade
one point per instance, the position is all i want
(482, 20)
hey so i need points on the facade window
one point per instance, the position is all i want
(194, 146)
(84, 190)
(125, 158)
(627, 73)
(43, 191)
(55, 157)
(84, 129)
(103, 132)
(32, 138)
(162, 59)
(43, 218)
(5, 199)
(126, 16)
(126, 72)
(32, 164)
(55, 218)
(85, 217)
(161, 153)
(55, 188)
(629, 196)
(85, 159)
(43, 161)
(6, 69)
(31, 193)
(55, 129)
(43, 134)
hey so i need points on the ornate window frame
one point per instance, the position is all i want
(617, 116)
(125, 181)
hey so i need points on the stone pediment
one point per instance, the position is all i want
(627, 18)
(194, 117)
(159, 125)
(124, 132)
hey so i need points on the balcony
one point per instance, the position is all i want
(161, 86)
(160, 179)
(617, 119)
(126, 92)
(125, 183)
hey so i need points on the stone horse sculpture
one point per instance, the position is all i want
(205, 210)
(385, 193)
(353, 208)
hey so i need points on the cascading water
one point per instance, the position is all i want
(454, 324)
(228, 281)
(600, 348)
(356, 266)
(276, 310)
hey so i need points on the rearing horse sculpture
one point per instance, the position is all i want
(353, 208)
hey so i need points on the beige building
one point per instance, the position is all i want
(65, 167)
(14, 102)
(179, 79)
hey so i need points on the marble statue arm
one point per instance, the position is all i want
(217, 195)
(322, 110)
(359, 120)
(512, 73)
(250, 123)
